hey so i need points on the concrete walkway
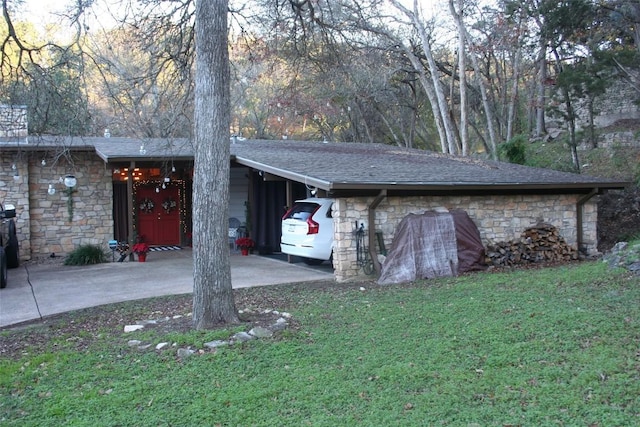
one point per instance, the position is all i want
(36, 291)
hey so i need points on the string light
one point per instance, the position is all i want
(180, 184)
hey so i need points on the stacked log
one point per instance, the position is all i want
(540, 243)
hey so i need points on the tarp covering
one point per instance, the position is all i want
(433, 244)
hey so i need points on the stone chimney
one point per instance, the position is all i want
(13, 121)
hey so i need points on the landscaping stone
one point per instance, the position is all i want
(242, 337)
(183, 353)
(260, 332)
(624, 256)
(257, 332)
(216, 344)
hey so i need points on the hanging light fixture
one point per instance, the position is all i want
(70, 182)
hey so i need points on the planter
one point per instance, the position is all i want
(244, 251)
(142, 257)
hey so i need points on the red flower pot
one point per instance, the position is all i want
(244, 251)
(142, 257)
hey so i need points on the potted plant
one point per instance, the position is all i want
(141, 249)
(245, 243)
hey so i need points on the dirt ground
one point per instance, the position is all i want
(618, 217)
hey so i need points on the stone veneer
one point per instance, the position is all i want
(44, 226)
(498, 218)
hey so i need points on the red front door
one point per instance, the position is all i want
(158, 214)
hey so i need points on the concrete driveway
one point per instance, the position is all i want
(36, 291)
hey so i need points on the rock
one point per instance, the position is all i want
(276, 327)
(260, 332)
(242, 337)
(619, 247)
(635, 267)
(132, 328)
(162, 345)
(216, 344)
(134, 343)
(183, 353)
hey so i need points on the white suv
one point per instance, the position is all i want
(307, 230)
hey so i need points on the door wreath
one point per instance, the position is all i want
(147, 205)
(168, 205)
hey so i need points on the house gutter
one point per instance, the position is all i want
(580, 217)
(372, 231)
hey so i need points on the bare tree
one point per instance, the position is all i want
(462, 72)
(213, 301)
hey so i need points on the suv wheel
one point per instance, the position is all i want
(12, 251)
(3, 269)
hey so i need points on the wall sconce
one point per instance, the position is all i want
(51, 190)
(70, 182)
(16, 174)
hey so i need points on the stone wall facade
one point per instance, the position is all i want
(498, 218)
(13, 121)
(44, 225)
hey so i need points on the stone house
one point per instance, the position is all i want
(129, 186)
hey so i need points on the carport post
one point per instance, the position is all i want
(131, 206)
(372, 230)
(289, 191)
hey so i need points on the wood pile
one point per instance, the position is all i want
(541, 243)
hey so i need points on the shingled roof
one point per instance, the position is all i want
(352, 166)
(339, 167)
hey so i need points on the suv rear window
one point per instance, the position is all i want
(301, 211)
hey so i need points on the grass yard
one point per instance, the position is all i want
(545, 347)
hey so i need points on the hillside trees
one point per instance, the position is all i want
(46, 77)
(139, 89)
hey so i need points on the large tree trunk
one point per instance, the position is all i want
(213, 301)
(433, 88)
(541, 100)
(462, 75)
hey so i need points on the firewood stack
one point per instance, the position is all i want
(541, 243)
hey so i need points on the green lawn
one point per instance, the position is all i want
(547, 347)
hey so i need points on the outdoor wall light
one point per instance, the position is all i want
(70, 182)
(51, 190)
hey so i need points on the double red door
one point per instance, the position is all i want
(158, 214)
